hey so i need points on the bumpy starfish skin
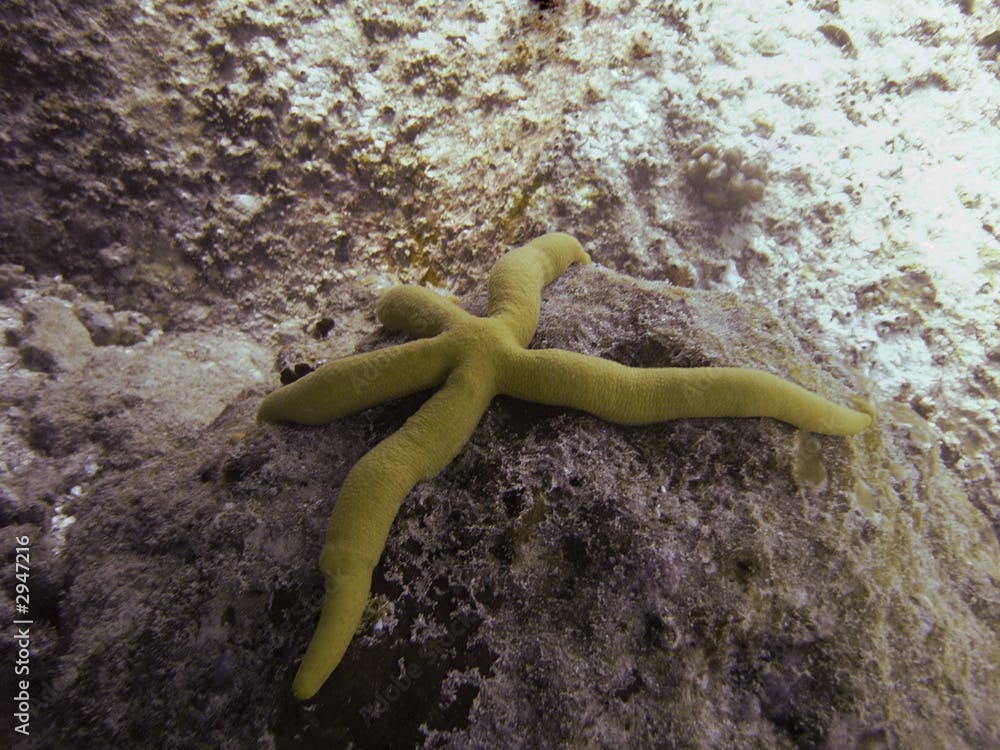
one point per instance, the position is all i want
(473, 359)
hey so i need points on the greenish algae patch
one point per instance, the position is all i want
(807, 463)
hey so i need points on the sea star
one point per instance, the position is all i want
(473, 359)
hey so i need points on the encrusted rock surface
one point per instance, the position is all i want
(565, 582)
(197, 195)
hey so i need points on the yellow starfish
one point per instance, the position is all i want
(473, 359)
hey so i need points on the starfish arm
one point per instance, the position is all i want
(368, 502)
(634, 395)
(516, 281)
(418, 311)
(356, 382)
